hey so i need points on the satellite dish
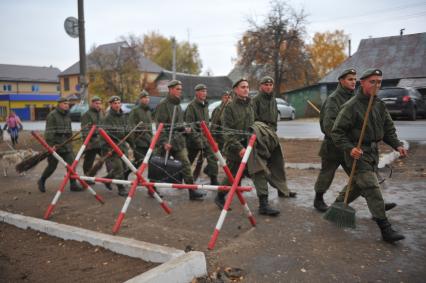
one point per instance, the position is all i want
(71, 26)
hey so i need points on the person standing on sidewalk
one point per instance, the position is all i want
(13, 126)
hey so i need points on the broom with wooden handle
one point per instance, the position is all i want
(98, 165)
(341, 213)
(32, 161)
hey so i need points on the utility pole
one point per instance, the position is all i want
(174, 58)
(349, 47)
(82, 49)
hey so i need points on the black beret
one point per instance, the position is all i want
(267, 79)
(371, 72)
(235, 84)
(114, 99)
(347, 72)
(173, 83)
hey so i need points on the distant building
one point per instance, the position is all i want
(30, 91)
(401, 58)
(216, 85)
(70, 78)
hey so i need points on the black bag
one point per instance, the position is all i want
(169, 173)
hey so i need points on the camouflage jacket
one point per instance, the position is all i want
(90, 118)
(237, 118)
(164, 114)
(197, 111)
(347, 129)
(143, 135)
(116, 126)
(328, 114)
(265, 109)
(58, 129)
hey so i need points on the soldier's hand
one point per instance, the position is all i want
(356, 153)
(242, 152)
(167, 146)
(402, 151)
(188, 130)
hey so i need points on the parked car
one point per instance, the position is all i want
(212, 106)
(401, 101)
(285, 110)
(77, 110)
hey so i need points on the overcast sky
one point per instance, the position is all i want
(32, 31)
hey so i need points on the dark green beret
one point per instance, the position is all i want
(267, 79)
(62, 99)
(143, 93)
(95, 98)
(173, 83)
(235, 84)
(226, 92)
(347, 72)
(200, 87)
(114, 99)
(371, 72)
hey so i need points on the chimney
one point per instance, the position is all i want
(401, 31)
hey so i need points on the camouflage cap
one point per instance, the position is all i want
(200, 87)
(174, 83)
(62, 99)
(143, 93)
(95, 98)
(114, 99)
(347, 72)
(371, 72)
(226, 92)
(267, 79)
(237, 82)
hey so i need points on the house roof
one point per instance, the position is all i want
(216, 85)
(28, 73)
(145, 65)
(397, 56)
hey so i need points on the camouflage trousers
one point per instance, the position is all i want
(211, 169)
(366, 184)
(89, 159)
(52, 163)
(327, 172)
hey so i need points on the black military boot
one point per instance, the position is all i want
(389, 205)
(264, 207)
(319, 203)
(74, 187)
(42, 184)
(122, 191)
(213, 180)
(388, 234)
(219, 200)
(196, 195)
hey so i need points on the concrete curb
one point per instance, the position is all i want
(177, 266)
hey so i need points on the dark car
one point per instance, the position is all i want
(406, 102)
(77, 110)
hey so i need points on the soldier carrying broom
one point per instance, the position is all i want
(347, 131)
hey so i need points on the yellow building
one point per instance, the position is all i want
(30, 91)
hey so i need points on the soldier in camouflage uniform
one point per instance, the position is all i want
(216, 123)
(92, 117)
(58, 130)
(237, 118)
(196, 142)
(177, 145)
(142, 137)
(115, 125)
(331, 156)
(266, 111)
(345, 134)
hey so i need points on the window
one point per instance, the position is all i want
(7, 87)
(66, 84)
(35, 88)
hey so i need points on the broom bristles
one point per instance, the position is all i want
(341, 214)
(31, 162)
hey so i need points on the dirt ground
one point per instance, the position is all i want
(297, 246)
(30, 256)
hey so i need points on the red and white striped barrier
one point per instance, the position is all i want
(138, 172)
(70, 170)
(234, 181)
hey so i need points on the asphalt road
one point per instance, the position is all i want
(303, 128)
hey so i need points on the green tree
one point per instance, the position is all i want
(327, 51)
(158, 48)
